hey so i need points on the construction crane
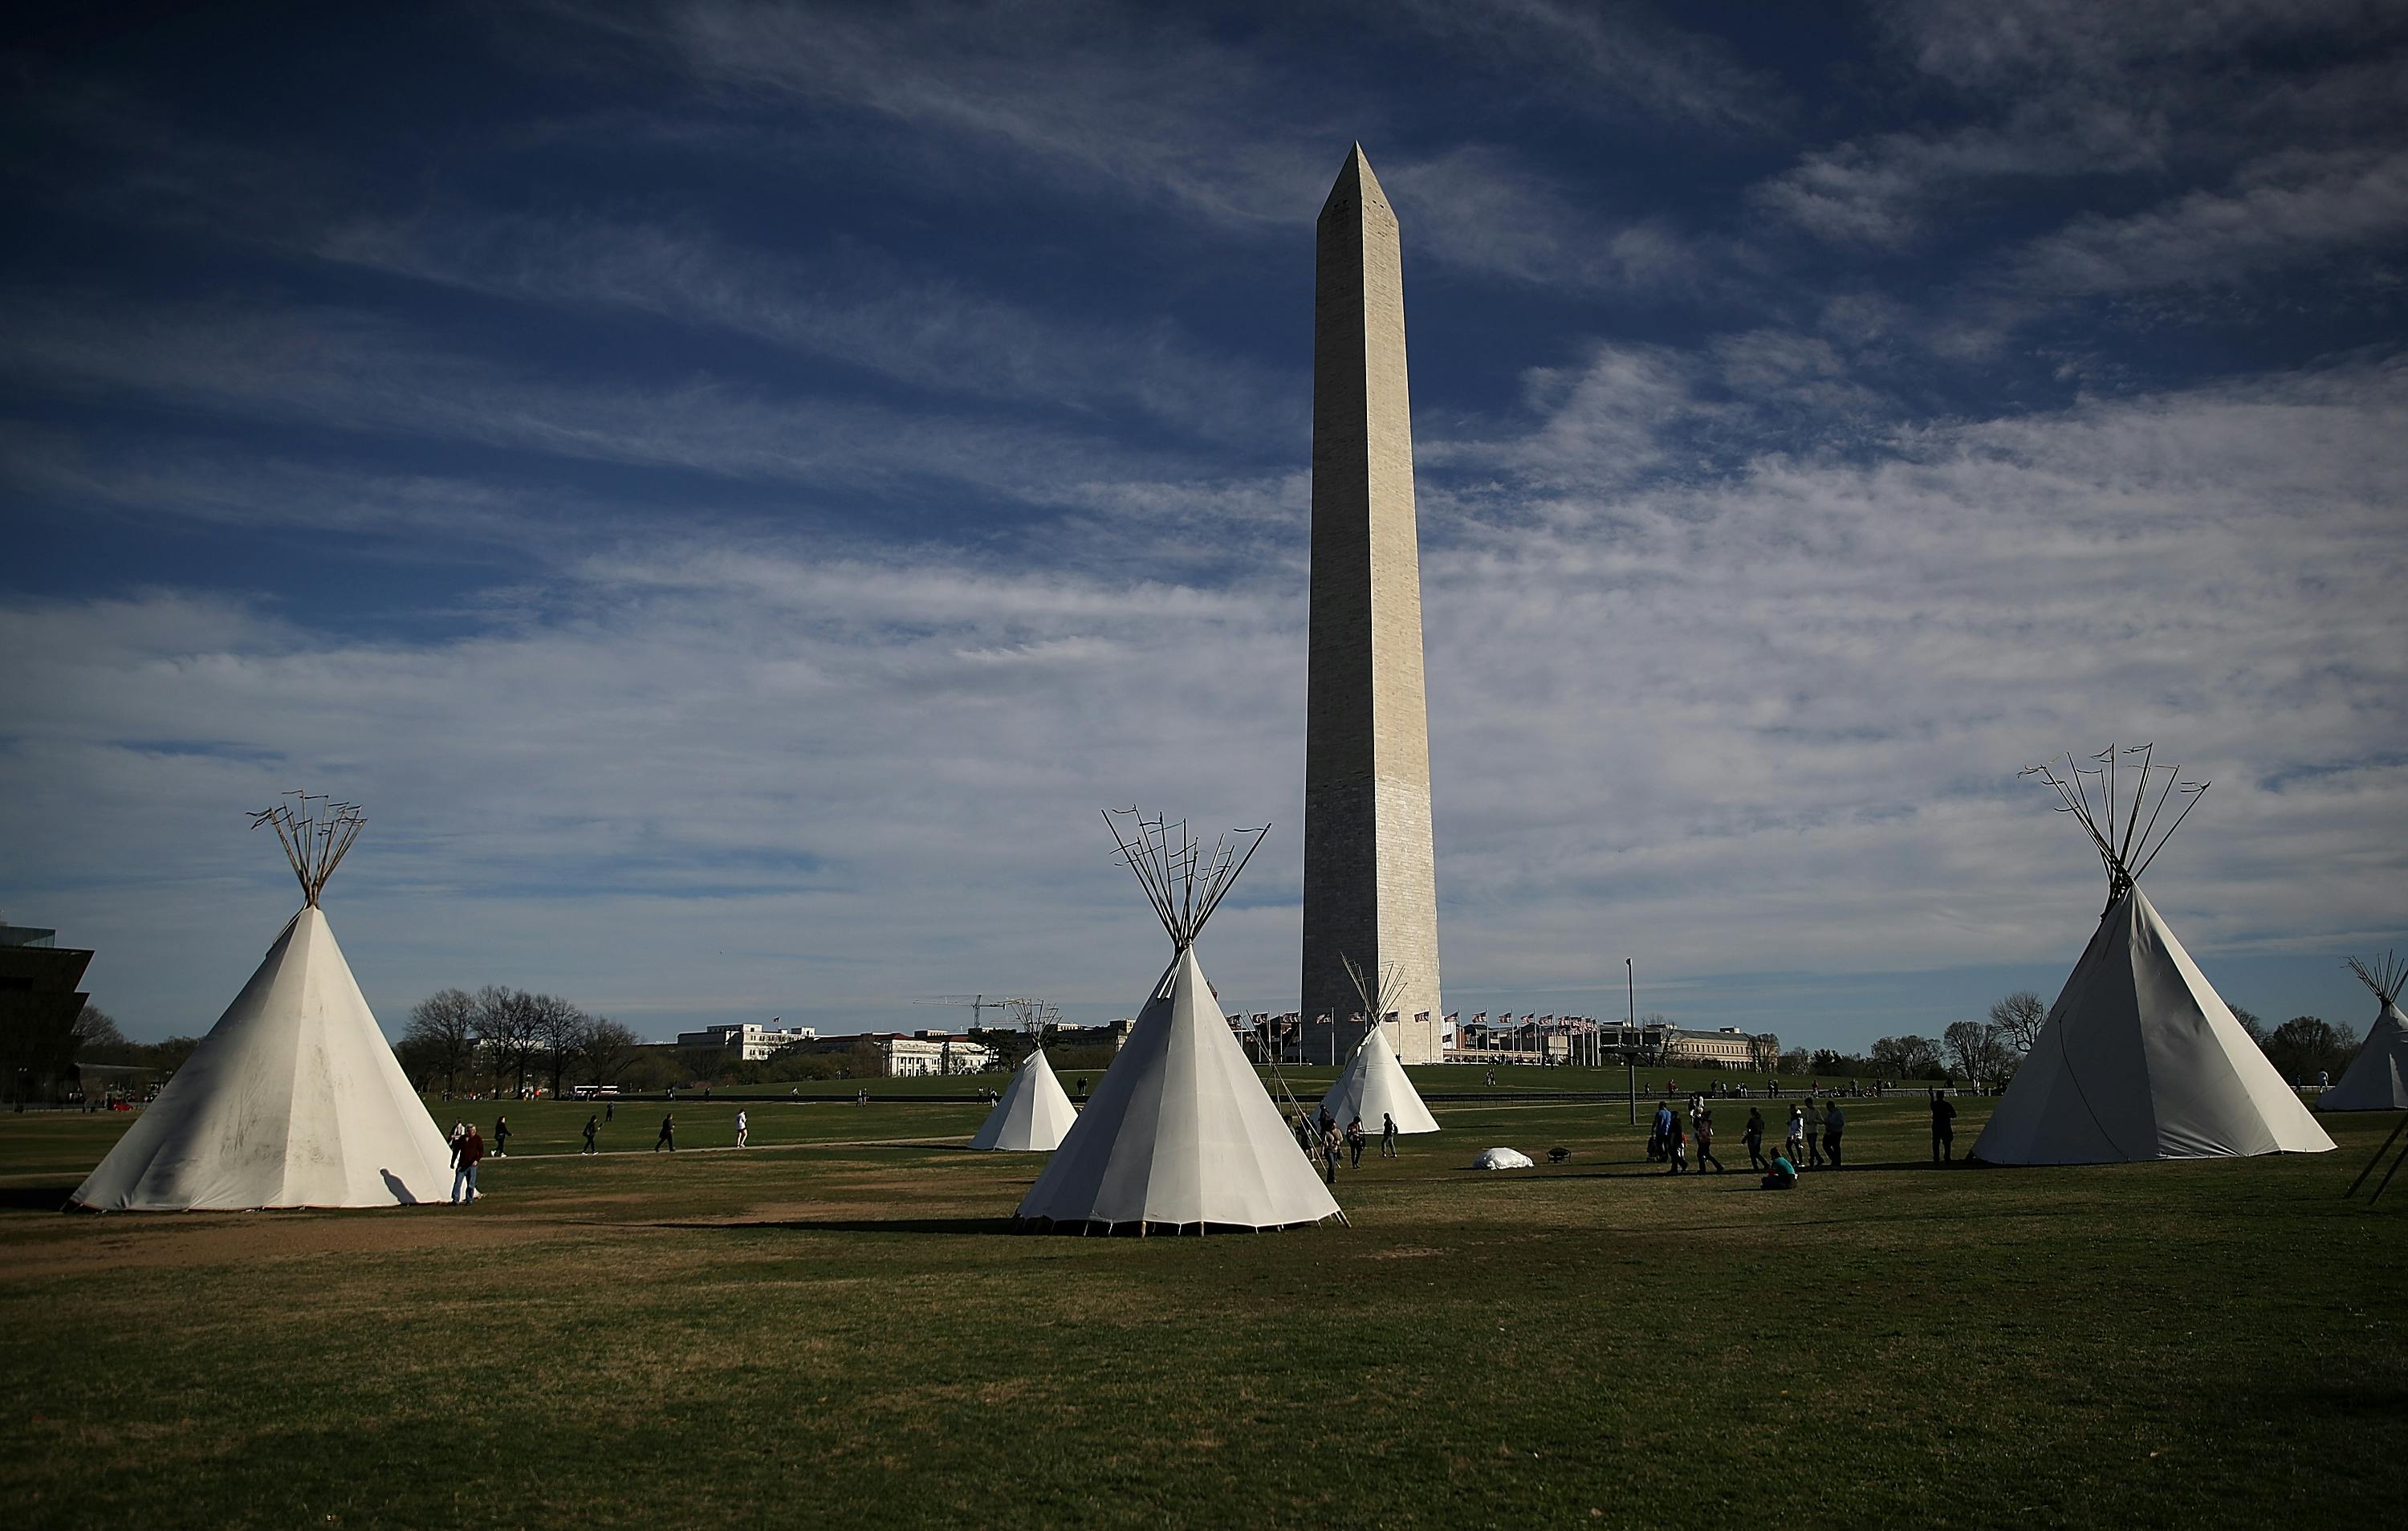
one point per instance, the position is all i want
(973, 1002)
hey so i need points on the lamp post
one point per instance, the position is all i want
(1630, 997)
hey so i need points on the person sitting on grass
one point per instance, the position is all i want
(1784, 1176)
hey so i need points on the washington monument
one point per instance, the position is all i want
(1370, 891)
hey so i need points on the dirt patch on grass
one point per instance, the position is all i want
(138, 1241)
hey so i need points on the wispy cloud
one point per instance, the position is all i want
(1785, 699)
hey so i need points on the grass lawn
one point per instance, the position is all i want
(834, 1329)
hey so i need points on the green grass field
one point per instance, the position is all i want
(836, 1328)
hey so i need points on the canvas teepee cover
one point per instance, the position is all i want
(2141, 1059)
(1033, 1114)
(2377, 1078)
(1375, 1083)
(295, 1098)
(1180, 1134)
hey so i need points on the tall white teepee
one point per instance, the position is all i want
(1374, 1083)
(2140, 1057)
(295, 1098)
(1034, 1113)
(1179, 1134)
(2377, 1078)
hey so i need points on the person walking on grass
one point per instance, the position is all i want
(1676, 1150)
(459, 1135)
(1813, 1134)
(1355, 1141)
(593, 1125)
(501, 1137)
(1706, 1143)
(1387, 1135)
(1835, 1121)
(668, 1136)
(1796, 1145)
(1664, 1129)
(464, 1171)
(743, 1129)
(1332, 1145)
(1752, 1136)
(1943, 1128)
(609, 1111)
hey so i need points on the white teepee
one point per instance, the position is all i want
(295, 1098)
(1374, 1083)
(1034, 1113)
(2140, 1057)
(2377, 1078)
(1180, 1134)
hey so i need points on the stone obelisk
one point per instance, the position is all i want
(1370, 891)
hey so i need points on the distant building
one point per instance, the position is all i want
(901, 1055)
(751, 1042)
(39, 1002)
(1111, 1033)
(1540, 1039)
(1729, 1047)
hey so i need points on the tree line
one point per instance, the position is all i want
(506, 1033)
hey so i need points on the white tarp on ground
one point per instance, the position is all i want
(293, 1099)
(1375, 1083)
(1501, 1159)
(1180, 1131)
(1034, 1113)
(2377, 1078)
(2140, 1059)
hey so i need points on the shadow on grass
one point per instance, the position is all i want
(1739, 1171)
(857, 1226)
(34, 1198)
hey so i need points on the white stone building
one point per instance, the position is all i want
(751, 1042)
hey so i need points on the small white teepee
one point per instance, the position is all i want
(295, 1098)
(1374, 1083)
(2377, 1078)
(1180, 1134)
(1033, 1114)
(2140, 1057)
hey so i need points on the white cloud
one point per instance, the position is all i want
(1754, 720)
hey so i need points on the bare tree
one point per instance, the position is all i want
(1764, 1052)
(1980, 1053)
(96, 1038)
(505, 1026)
(1907, 1057)
(607, 1049)
(555, 1029)
(2018, 1019)
(442, 1032)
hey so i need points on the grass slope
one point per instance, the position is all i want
(833, 1329)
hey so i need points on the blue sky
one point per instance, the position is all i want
(735, 488)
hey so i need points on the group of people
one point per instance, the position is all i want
(1328, 1143)
(1814, 1139)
